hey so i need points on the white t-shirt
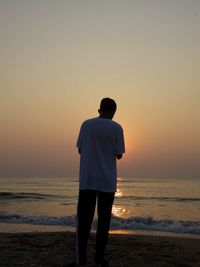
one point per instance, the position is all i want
(100, 140)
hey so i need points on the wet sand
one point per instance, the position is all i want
(57, 248)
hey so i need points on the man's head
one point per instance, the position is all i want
(107, 108)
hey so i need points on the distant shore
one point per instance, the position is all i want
(52, 249)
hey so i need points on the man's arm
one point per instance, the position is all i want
(119, 148)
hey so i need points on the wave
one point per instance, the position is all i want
(171, 199)
(117, 223)
(18, 218)
(29, 196)
(152, 224)
(38, 196)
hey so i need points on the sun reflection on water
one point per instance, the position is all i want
(118, 211)
(118, 193)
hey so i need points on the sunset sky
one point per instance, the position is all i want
(60, 58)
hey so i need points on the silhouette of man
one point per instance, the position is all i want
(100, 143)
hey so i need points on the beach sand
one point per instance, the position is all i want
(57, 248)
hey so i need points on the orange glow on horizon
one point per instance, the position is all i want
(57, 68)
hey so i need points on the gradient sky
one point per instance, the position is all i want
(60, 58)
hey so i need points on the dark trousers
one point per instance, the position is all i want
(85, 214)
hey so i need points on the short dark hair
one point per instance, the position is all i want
(108, 104)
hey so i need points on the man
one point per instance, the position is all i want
(100, 143)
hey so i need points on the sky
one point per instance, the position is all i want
(60, 58)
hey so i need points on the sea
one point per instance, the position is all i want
(142, 205)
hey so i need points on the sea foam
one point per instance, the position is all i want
(117, 223)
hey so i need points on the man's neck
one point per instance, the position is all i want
(105, 117)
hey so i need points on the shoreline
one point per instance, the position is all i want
(9, 228)
(57, 248)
